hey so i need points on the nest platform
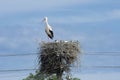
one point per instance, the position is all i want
(57, 57)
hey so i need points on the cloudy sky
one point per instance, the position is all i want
(95, 23)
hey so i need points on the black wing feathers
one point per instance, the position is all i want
(51, 35)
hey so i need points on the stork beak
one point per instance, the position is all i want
(43, 20)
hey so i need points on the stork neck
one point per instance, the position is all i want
(46, 22)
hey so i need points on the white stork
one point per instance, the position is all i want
(48, 28)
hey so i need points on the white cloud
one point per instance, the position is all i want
(89, 18)
(16, 38)
(2, 39)
(114, 14)
(12, 6)
(15, 6)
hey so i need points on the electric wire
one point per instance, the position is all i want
(85, 53)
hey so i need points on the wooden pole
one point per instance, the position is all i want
(60, 70)
(59, 75)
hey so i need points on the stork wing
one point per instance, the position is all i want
(51, 35)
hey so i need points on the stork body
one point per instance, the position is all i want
(48, 29)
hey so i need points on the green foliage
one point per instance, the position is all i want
(38, 76)
(75, 79)
(71, 78)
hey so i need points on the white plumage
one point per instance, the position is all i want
(48, 29)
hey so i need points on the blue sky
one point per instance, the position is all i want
(95, 23)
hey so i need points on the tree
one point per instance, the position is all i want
(38, 76)
(76, 79)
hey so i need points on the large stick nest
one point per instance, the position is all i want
(56, 57)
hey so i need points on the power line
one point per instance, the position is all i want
(17, 70)
(14, 76)
(26, 54)
(88, 67)
(103, 54)
(106, 67)
(85, 53)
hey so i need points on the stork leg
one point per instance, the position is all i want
(48, 39)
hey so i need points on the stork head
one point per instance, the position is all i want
(45, 19)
